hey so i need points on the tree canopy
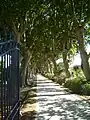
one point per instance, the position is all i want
(46, 29)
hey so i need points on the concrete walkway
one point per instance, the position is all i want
(52, 102)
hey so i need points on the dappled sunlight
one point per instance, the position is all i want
(27, 111)
(39, 77)
(53, 102)
(29, 107)
(50, 101)
(50, 93)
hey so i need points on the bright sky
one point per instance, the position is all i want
(77, 59)
(88, 48)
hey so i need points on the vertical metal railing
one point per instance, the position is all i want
(9, 80)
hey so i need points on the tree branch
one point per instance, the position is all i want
(23, 27)
(14, 29)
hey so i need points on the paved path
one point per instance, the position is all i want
(54, 103)
(50, 101)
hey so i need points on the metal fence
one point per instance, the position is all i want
(9, 80)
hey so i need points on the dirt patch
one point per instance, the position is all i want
(27, 111)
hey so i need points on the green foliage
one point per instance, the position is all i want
(76, 85)
(86, 89)
(44, 26)
(68, 84)
(50, 76)
(73, 50)
(78, 74)
(60, 66)
(60, 80)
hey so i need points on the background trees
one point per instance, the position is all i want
(47, 30)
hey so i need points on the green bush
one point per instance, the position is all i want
(76, 85)
(86, 89)
(60, 81)
(67, 84)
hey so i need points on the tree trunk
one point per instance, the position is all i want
(18, 37)
(17, 34)
(65, 62)
(53, 57)
(83, 54)
(24, 66)
(23, 71)
(50, 66)
(26, 77)
(55, 65)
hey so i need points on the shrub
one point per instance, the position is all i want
(76, 85)
(68, 83)
(86, 89)
(61, 81)
(78, 74)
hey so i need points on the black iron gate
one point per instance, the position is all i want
(9, 80)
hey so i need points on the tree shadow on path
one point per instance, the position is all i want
(52, 102)
(55, 103)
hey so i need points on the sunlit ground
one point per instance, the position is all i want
(52, 102)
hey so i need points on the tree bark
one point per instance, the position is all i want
(83, 53)
(23, 71)
(26, 77)
(65, 62)
(24, 66)
(50, 66)
(53, 57)
(55, 65)
(17, 34)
